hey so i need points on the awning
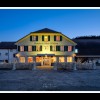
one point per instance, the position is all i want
(45, 54)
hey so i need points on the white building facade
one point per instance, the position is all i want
(7, 52)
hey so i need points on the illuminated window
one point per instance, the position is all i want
(30, 59)
(29, 48)
(45, 38)
(22, 59)
(62, 48)
(53, 59)
(38, 59)
(57, 38)
(21, 48)
(69, 48)
(69, 59)
(61, 59)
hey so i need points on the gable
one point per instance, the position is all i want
(45, 32)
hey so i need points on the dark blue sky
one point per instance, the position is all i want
(14, 24)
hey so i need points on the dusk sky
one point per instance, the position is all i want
(15, 24)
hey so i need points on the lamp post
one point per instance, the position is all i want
(74, 63)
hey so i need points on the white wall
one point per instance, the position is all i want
(9, 57)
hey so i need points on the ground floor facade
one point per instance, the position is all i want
(45, 60)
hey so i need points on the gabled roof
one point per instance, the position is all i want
(45, 30)
(8, 45)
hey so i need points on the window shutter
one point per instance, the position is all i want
(49, 38)
(65, 48)
(72, 48)
(25, 48)
(33, 48)
(42, 38)
(36, 38)
(58, 48)
(30, 38)
(50, 48)
(54, 37)
(18, 48)
(40, 48)
(60, 38)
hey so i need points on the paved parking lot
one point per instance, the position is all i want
(49, 80)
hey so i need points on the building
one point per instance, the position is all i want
(7, 51)
(45, 47)
(88, 50)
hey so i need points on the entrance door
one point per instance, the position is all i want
(46, 61)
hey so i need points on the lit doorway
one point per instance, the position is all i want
(46, 61)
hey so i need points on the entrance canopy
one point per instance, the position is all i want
(45, 55)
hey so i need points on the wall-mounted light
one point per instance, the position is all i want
(76, 50)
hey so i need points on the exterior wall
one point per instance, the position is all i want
(27, 42)
(8, 57)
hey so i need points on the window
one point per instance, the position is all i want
(29, 48)
(34, 38)
(57, 48)
(25, 48)
(30, 59)
(57, 38)
(21, 48)
(65, 48)
(38, 59)
(69, 59)
(61, 59)
(54, 48)
(62, 48)
(53, 59)
(45, 38)
(69, 48)
(22, 59)
(33, 48)
(6, 54)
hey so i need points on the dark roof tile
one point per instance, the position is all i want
(46, 30)
(8, 45)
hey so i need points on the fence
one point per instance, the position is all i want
(57, 66)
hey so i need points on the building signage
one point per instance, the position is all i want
(46, 43)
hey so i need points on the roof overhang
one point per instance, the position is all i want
(87, 55)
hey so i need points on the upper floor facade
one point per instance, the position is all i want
(45, 41)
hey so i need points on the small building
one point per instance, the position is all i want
(45, 47)
(7, 51)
